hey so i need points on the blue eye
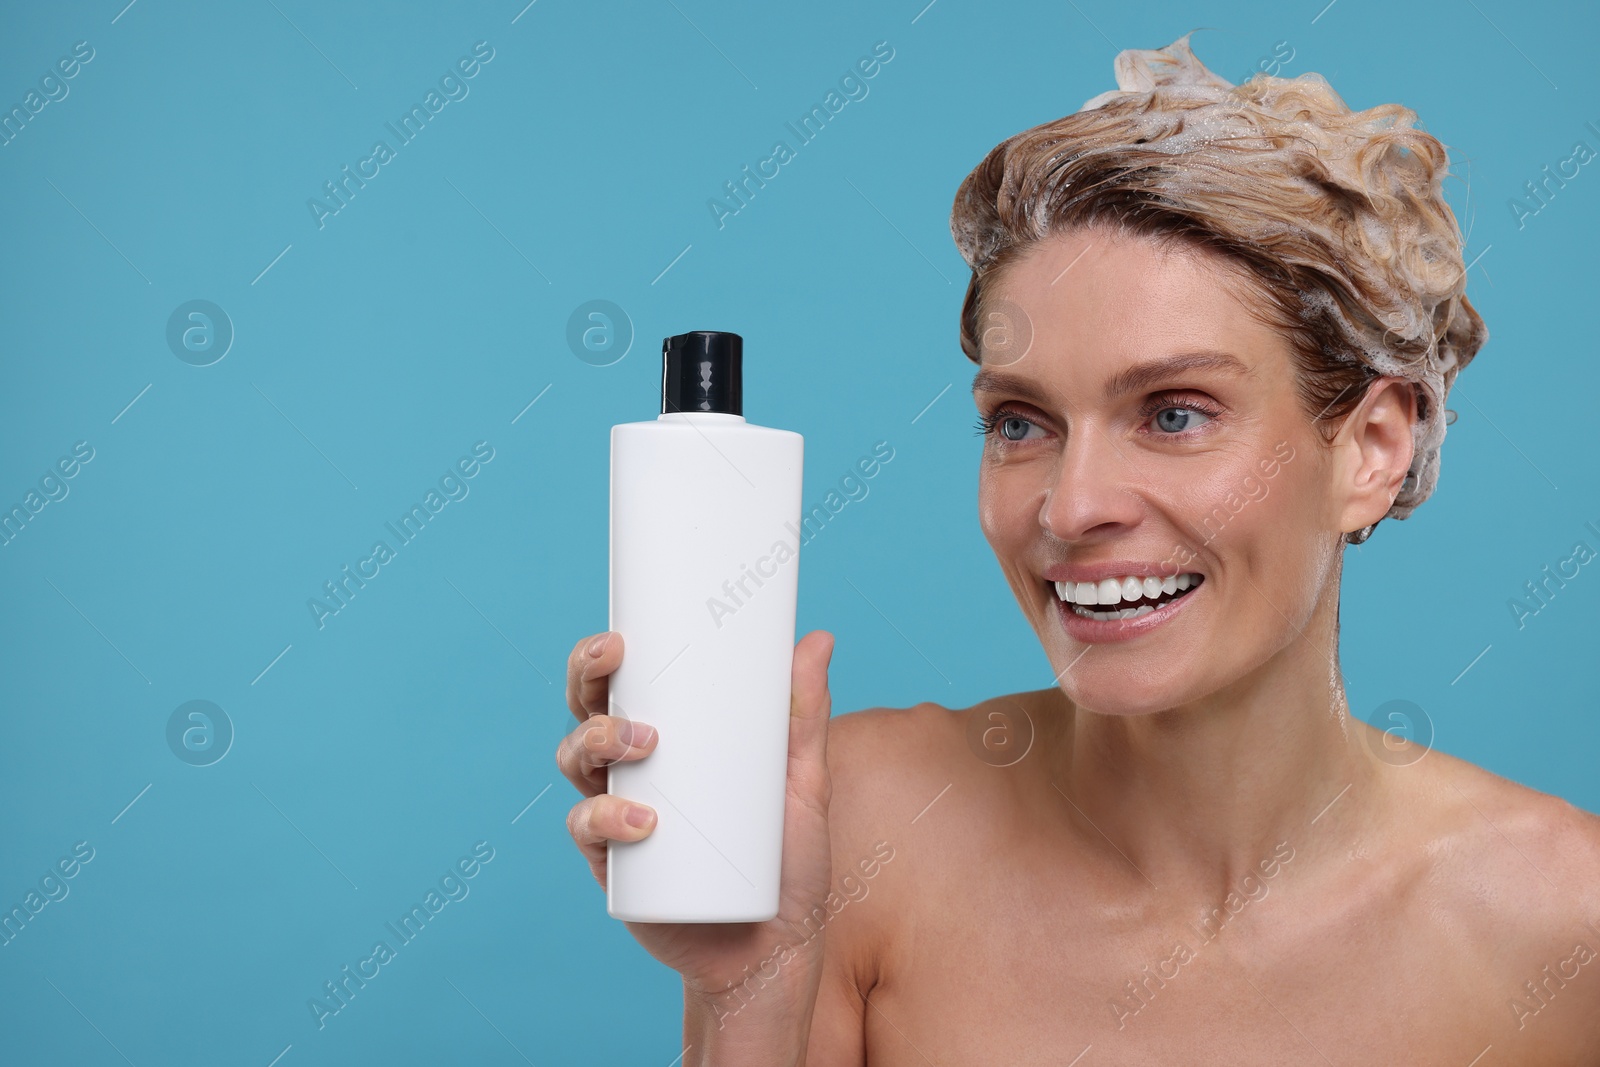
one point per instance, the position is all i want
(1014, 428)
(1178, 419)
(1010, 427)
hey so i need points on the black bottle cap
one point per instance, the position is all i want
(701, 371)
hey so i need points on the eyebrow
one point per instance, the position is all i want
(1137, 378)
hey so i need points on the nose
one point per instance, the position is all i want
(1091, 496)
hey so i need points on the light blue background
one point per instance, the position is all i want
(430, 311)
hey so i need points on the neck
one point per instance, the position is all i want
(1197, 797)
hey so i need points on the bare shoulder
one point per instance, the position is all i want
(891, 767)
(885, 765)
(876, 758)
(1519, 871)
(879, 758)
(1539, 835)
(887, 751)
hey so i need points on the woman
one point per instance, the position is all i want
(1215, 330)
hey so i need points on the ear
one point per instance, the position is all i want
(1372, 453)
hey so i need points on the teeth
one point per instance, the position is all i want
(1107, 616)
(1111, 592)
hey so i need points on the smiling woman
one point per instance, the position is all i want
(1225, 318)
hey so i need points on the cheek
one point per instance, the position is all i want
(1285, 535)
(1207, 500)
(987, 508)
(1296, 498)
(1003, 508)
(1231, 514)
(1305, 514)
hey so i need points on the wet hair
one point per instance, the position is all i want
(1336, 218)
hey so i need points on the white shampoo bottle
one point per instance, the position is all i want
(705, 564)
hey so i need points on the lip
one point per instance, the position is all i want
(1108, 631)
(1114, 568)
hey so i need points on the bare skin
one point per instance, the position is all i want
(1008, 927)
(1187, 850)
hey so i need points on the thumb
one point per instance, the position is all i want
(810, 703)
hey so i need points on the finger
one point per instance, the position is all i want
(589, 668)
(598, 742)
(810, 705)
(598, 819)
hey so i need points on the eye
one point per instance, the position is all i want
(1174, 415)
(1014, 427)
(1178, 419)
(1010, 426)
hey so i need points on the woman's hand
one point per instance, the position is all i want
(712, 957)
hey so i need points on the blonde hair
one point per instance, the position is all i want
(1338, 217)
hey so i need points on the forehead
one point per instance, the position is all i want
(1095, 302)
(1122, 281)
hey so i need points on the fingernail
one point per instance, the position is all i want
(637, 816)
(639, 734)
(598, 645)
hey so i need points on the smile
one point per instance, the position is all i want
(1131, 596)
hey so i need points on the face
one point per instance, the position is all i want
(1146, 450)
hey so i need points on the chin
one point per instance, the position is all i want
(1171, 667)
